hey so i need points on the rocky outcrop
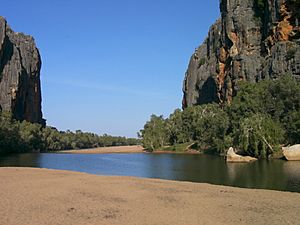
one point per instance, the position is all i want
(20, 64)
(252, 40)
(292, 153)
(231, 156)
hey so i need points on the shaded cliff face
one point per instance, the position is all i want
(20, 64)
(253, 40)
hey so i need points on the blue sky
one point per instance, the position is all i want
(109, 64)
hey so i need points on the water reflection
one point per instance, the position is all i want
(260, 174)
(24, 160)
(275, 174)
(293, 180)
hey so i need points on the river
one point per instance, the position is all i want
(275, 174)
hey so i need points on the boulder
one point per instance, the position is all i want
(231, 156)
(292, 153)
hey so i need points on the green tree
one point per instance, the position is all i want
(259, 135)
(279, 99)
(211, 128)
(31, 136)
(9, 134)
(292, 127)
(51, 138)
(178, 133)
(155, 133)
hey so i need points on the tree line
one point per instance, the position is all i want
(262, 117)
(19, 137)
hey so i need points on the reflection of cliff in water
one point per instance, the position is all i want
(21, 160)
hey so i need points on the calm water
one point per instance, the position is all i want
(275, 174)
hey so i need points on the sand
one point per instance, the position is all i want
(123, 149)
(42, 196)
(105, 150)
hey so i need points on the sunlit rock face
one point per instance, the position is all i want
(252, 40)
(20, 64)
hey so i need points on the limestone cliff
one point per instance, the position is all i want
(20, 64)
(253, 40)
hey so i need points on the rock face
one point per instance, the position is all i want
(292, 153)
(231, 156)
(252, 40)
(20, 64)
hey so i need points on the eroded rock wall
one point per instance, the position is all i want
(252, 40)
(20, 64)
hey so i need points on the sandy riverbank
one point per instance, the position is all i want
(105, 150)
(123, 149)
(41, 196)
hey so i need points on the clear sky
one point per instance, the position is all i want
(107, 65)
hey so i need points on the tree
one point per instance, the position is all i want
(178, 133)
(155, 133)
(31, 136)
(279, 99)
(292, 127)
(211, 128)
(9, 134)
(259, 135)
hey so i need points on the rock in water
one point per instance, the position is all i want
(292, 153)
(20, 64)
(252, 40)
(231, 156)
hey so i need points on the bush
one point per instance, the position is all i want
(201, 62)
